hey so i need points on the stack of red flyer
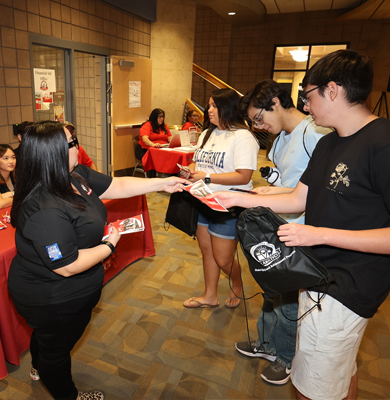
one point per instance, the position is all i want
(128, 225)
(199, 190)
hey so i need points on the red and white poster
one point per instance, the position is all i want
(38, 101)
(47, 97)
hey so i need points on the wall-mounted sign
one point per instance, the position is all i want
(59, 96)
(134, 94)
(59, 114)
(44, 80)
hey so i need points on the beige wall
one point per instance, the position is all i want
(172, 54)
(242, 56)
(87, 21)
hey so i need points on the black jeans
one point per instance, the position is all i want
(57, 328)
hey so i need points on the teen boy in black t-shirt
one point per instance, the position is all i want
(346, 194)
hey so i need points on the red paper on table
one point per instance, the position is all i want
(127, 225)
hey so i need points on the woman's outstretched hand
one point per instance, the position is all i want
(174, 184)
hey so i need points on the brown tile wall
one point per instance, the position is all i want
(88, 21)
(243, 56)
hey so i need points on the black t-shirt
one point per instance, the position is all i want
(49, 234)
(4, 188)
(348, 181)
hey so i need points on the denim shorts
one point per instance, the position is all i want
(222, 228)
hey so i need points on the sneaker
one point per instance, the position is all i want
(90, 396)
(276, 373)
(249, 349)
(34, 375)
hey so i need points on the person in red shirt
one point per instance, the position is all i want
(82, 158)
(153, 133)
(192, 119)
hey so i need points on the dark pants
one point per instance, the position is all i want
(139, 153)
(57, 328)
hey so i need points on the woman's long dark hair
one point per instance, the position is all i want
(153, 119)
(226, 101)
(3, 150)
(44, 161)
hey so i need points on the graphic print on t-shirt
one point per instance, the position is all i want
(339, 176)
(209, 158)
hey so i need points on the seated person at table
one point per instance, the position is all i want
(82, 158)
(192, 119)
(7, 175)
(153, 133)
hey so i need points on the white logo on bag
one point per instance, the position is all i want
(265, 253)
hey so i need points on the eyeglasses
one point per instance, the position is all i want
(257, 119)
(304, 99)
(73, 143)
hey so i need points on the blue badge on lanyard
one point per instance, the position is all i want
(54, 252)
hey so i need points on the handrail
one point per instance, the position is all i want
(211, 78)
(260, 134)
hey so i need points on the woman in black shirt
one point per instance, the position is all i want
(56, 277)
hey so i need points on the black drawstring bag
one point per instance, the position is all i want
(182, 213)
(277, 268)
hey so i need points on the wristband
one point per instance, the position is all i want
(110, 245)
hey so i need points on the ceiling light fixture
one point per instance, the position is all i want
(299, 55)
(232, 13)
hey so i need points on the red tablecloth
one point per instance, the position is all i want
(133, 246)
(165, 161)
(14, 332)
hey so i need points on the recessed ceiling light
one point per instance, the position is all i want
(232, 13)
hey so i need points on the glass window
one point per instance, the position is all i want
(49, 99)
(292, 62)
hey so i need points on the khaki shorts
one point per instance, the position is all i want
(327, 346)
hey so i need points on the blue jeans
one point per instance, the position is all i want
(277, 335)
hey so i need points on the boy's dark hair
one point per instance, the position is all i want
(348, 69)
(261, 97)
(22, 127)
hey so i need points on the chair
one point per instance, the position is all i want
(138, 166)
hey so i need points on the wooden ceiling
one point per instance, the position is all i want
(252, 12)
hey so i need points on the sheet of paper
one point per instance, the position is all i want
(184, 138)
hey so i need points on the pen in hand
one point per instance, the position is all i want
(242, 190)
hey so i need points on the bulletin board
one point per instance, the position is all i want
(127, 120)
